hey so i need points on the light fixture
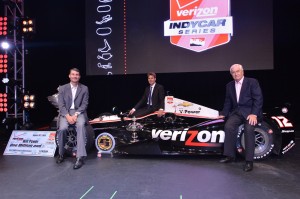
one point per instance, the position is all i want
(5, 45)
(3, 102)
(3, 63)
(10, 82)
(3, 26)
(27, 26)
(29, 101)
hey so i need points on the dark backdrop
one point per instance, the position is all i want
(59, 44)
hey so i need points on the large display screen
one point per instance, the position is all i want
(172, 36)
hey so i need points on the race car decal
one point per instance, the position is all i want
(282, 121)
(105, 143)
(187, 109)
(288, 147)
(199, 25)
(194, 138)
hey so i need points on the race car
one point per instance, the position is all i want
(187, 128)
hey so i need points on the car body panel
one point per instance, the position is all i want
(187, 128)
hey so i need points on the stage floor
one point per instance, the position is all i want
(149, 177)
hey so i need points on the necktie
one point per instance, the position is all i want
(150, 97)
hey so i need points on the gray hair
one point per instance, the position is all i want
(239, 65)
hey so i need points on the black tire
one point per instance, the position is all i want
(71, 137)
(264, 144)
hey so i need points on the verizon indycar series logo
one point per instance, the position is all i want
(194, 138)
(199, 25)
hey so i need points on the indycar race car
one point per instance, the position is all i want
(185, 128)
(188, 128)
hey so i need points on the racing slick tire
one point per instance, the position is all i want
(263, 141)
(71, 139)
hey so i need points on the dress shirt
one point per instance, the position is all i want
(150, 97)
(73, 89)
(238, 86)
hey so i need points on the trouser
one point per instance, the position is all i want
(81, 134)
(231, 131)
(143, 111)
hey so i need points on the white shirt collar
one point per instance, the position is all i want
(152, 85)
(73, 86)
(241, 81)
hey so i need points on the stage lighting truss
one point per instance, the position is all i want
(29, 101)
(15, 76)
(3, 26)
(3, 102)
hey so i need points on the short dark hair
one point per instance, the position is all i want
(74, 69)
(152, 74)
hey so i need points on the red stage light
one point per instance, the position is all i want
(3, 26)
(3, 63)
(3, 102)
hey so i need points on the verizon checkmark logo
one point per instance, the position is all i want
(184, 3)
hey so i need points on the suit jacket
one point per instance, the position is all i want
(80, 101)
(250, 100)
(158, 97)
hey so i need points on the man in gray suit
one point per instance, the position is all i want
(73, 101)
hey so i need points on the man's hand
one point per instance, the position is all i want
(160, 113)
(252, 119)
(131, 111)
(71, 119)
(220, 117)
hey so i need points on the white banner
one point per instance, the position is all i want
(220, 25)
(31, 143)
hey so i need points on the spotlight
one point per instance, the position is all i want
(10, 82)
(28, 25)
(3, 26)
(26, 98)
(3, 63)
(29, 101)
(3, 102)
(26, 104)
(32, 104)
(5, 80)
(32, 97)
(5, 45)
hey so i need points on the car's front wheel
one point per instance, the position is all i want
(71, 140)
(263, 141)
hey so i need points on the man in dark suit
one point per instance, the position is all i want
(73, 101)
(152, 100)
(243, 105)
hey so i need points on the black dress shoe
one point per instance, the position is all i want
(227, 159)
(248, 166)
(78, 164)
(59, 159)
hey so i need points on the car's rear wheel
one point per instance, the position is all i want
(263, 141)
(71, 140)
